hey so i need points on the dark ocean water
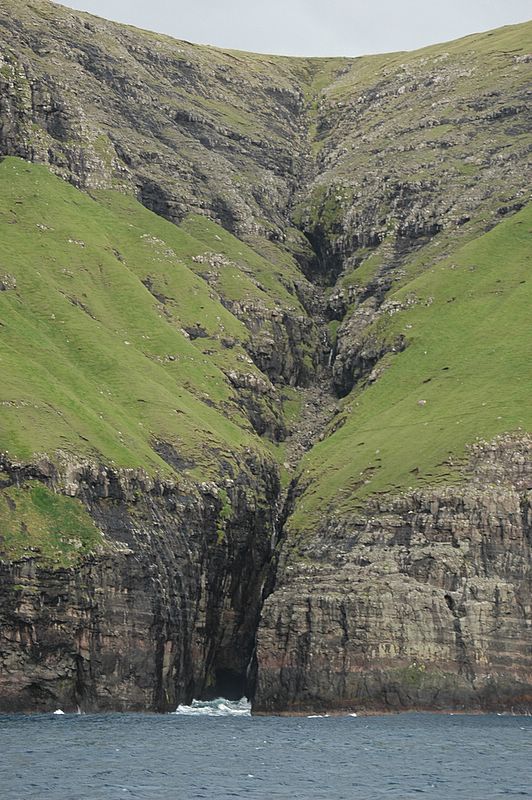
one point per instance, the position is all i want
(221, 753)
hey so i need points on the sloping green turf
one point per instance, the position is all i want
(247, 275)
(465, 375)
(34, 520)
(92, 351)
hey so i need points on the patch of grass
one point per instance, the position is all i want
(292, 402)
(365, 273)
(464, 375)
(35, 522)
(248, 275)
(467, 169)
(333, 326)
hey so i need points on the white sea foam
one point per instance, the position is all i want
(216, 708)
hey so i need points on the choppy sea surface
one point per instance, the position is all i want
(218, 751)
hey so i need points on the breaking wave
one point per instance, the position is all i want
(216, 708)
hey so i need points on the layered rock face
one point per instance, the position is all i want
(421, 601)
(166, 613)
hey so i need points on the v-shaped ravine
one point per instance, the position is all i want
(166, 530)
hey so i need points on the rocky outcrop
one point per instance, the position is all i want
(423, 601)
(358, 350)
(166, 613)
(288, 347)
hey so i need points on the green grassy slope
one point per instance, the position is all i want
(465, 375)
(34, 520)
(92, 362)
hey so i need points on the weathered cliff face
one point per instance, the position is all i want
(167, 612)
(415, 152)
(412, 145)
(186, 127)
(421, 601)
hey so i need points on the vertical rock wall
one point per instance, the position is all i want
(421, 602)
(167, 613)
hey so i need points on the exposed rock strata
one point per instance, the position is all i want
(421, 601)
(167, 613)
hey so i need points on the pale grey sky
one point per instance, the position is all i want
(312, 27)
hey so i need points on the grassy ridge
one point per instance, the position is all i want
(93, 362)
(493, 47)
(464, 375)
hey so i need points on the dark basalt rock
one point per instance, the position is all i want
(162, 616)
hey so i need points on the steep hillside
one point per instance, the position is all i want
(184, 126)
(459, 375)
(265, 357)
(120, 373)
